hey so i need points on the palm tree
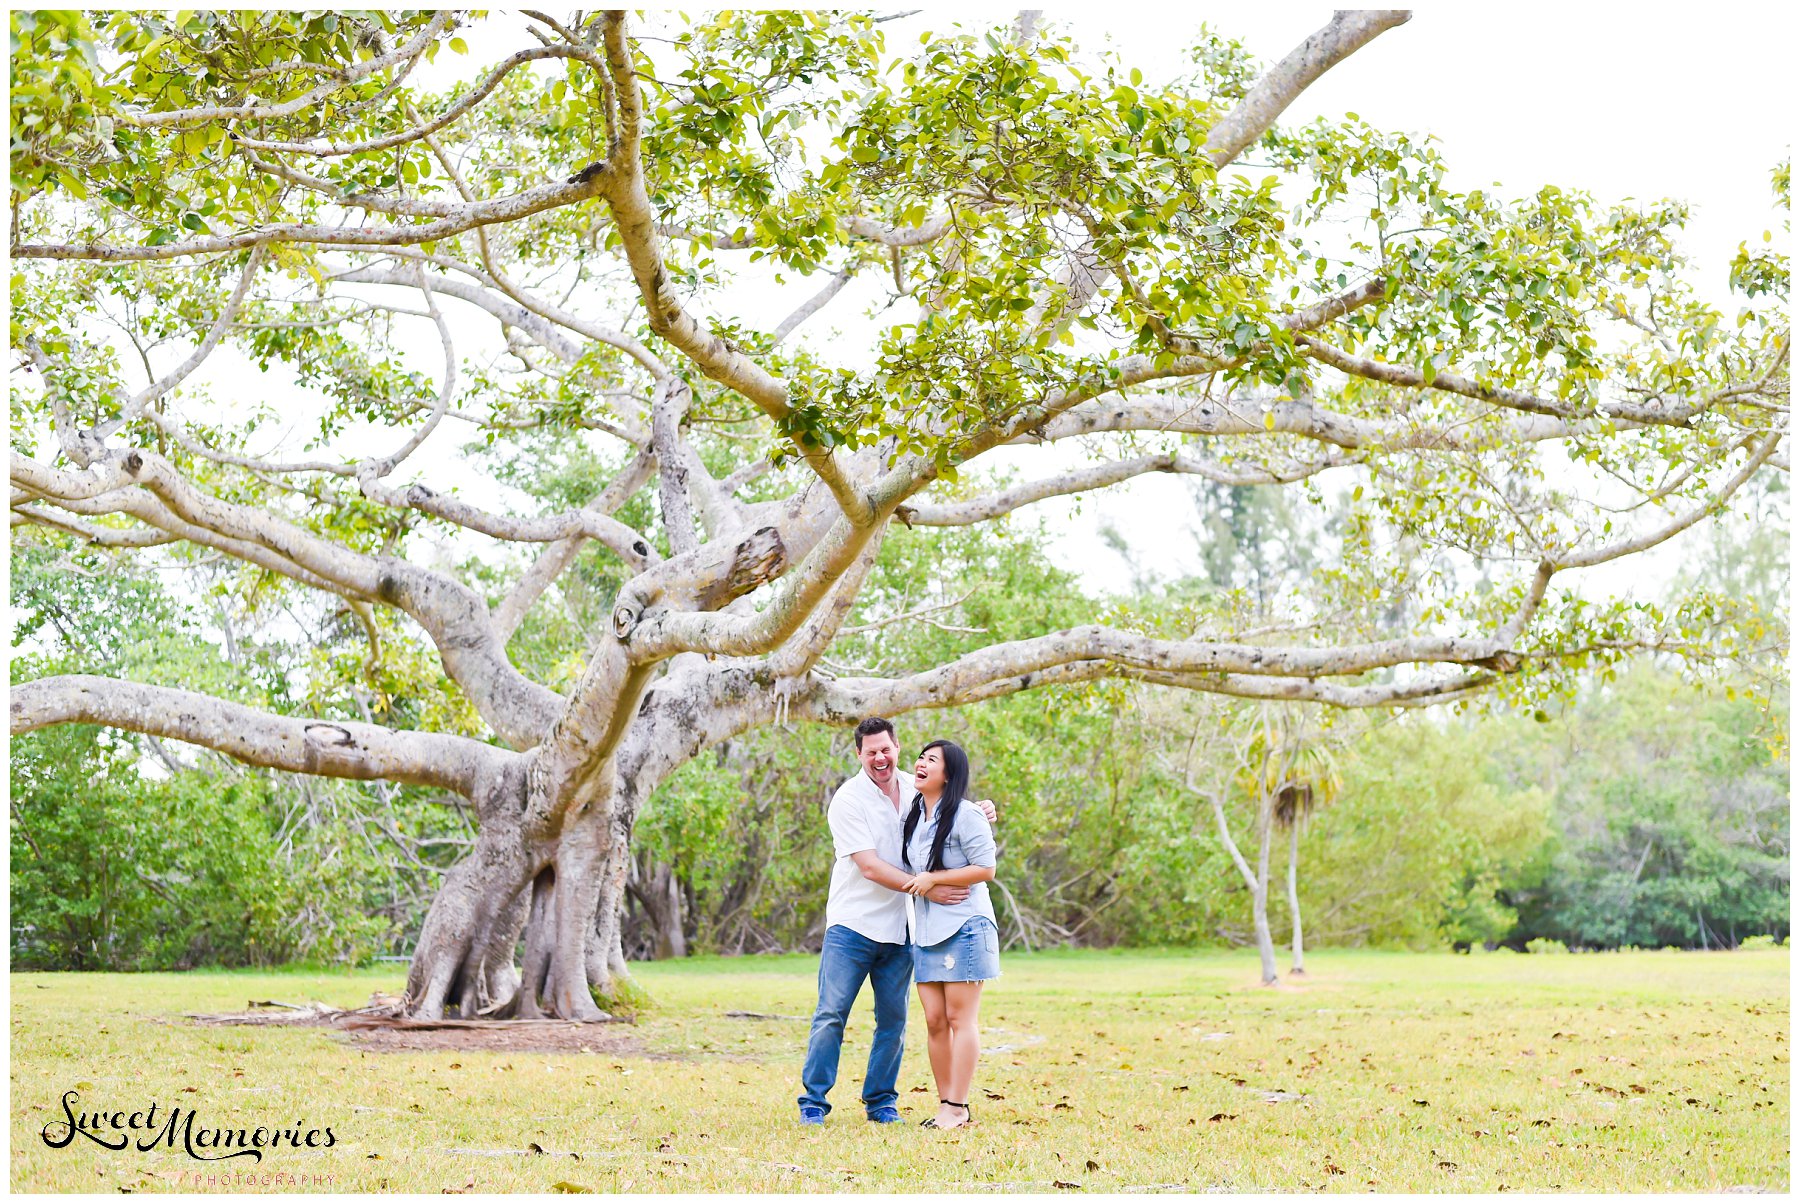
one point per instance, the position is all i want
(1282, 759)
(1311, 781)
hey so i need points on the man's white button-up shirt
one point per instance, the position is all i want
(863, 817)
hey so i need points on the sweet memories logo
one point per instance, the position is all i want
(178, 1129)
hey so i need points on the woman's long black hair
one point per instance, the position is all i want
(956, 785)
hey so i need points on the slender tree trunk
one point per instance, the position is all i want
(1259, 896)
(1293, 889)
(1256, 879)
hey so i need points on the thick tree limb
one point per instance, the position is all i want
(1194, 657)
(138, 467)
(336, 748)
(636, 222)
(844, 700)
(451, 613)
(154, 512)
(668, 406)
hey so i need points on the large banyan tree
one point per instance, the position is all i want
(1041, 259)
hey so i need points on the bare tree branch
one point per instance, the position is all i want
(467, 102)
(480, 213)
(833, 286)
(551, 563)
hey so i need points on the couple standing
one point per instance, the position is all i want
(922, 853)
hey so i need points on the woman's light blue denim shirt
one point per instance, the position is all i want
(971, 843)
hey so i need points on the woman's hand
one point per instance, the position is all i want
(919, 883)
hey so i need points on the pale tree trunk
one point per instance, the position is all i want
(543, 888)
(1293, 891)
(1265, 942)
(1257, 880)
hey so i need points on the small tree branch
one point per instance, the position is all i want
(227, 315)
(480, 213)
(94, 533)
(1347, 32)
(833, 286)
(554, 559)
(341, 79)
(468, 101)
(1100, 476)
(1680, 523)
(1512, 399)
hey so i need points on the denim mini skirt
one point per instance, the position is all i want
(971, 955)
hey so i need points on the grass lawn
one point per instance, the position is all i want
(1104, 1071)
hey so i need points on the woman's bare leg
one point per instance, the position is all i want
(962, 1002)
(937, 1032)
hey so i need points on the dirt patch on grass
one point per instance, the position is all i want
(376, 1028)
(502, 1036)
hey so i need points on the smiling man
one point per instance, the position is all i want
(865, 929)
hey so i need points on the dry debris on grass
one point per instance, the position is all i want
(377, 1027)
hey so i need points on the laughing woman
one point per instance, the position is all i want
(956, 947)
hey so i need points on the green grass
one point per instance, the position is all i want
(1418, 1072)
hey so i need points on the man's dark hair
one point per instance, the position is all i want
(874, 725)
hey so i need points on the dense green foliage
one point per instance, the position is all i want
(133, 855)
(112, 869)
(1672, 823)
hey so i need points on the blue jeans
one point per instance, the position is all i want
(846, 959)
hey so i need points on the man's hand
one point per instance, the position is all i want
(950, 895)
(986, 806)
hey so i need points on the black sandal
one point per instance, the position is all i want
(930, 1122)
